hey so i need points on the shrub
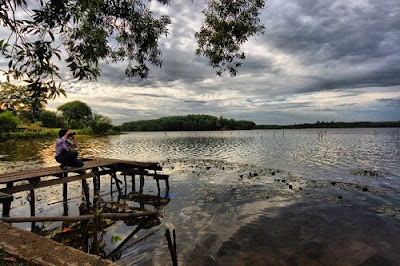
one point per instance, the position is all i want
(50, 119)
(100, 124)
(8, 122)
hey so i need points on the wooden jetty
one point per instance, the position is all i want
(29, 180)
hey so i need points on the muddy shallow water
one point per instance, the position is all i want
(293, 197)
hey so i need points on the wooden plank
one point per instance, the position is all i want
(57, 171)
(15, 189)
(5, 197)
(77, 218)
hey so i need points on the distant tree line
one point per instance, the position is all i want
(332, 124)
(19, 108)
(188, 123)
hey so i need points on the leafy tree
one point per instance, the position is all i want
(50, 119)
(76, 112)
(21, 98)
(8, 121)
(111, 30)
(228, 24)
(26, 117)
(100, 124)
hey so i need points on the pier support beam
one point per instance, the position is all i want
(65, 195)
(6, 200)
(85, 189)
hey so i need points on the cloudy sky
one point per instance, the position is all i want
(318, 60)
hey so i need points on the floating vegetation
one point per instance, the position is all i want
(369, 173)
(388, 212)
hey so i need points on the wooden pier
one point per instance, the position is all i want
(29, 180)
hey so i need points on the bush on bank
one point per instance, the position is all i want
(8, 122)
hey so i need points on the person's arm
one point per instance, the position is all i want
(71, 143)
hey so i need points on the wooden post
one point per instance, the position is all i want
(65, 195)
(96, 181)
(158, 182)
(111, 187)
(85, 189)
(85, 238)
(125, 179)
(32, 202)
(133, 183)
(6, 200)
(167, 184)
(141, 183)
(117, 181)
(118, 249)
(172, 247)
(32, 205)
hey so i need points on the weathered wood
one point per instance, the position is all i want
(4, 197)
(141, 184)
(6, 200)
(85, 188)
(77, 218)
(172, 246)
(117, 183)
(57, 171)
(107, 166)
(26, 187)
(123, 243)
(65, 195)
(133, 183)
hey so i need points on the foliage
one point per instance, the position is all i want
(90, 31)
(26, 117)
(112, 31)
(77, 113)
(100, 124)
(21, 98)
(50, 119)
(187, 123)
(8, 122)
(228, 24)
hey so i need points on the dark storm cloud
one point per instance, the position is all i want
(390, 102)
(318, 60)
(338, 35)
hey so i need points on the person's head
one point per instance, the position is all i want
(62, 132)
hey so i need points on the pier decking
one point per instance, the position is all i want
(29, 180)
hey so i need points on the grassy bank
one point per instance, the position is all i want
(42, 132)
(27, 135)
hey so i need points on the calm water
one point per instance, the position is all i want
(228, 187)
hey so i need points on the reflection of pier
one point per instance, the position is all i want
(29, 180)
(95, 215)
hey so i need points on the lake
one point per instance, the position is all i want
(309, 196)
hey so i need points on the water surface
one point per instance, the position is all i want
(268, 196)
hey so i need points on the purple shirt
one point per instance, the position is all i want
(64, 144)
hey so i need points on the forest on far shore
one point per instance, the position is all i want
(210, 123)
(188, 123)
(333, 125)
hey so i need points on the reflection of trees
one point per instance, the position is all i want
(43, 149)
(26, 150)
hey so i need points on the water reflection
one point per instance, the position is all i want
(331, 152)
(238, 195)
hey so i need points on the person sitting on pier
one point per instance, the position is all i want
(64, 155)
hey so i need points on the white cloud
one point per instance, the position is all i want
(318, 60)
